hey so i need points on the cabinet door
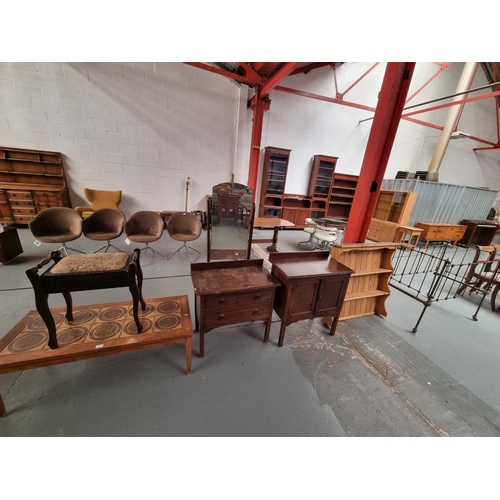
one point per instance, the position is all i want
(331, 295)
(289, 214)
(303, 299)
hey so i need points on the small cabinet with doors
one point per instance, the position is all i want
(273, 183)
(313, 285)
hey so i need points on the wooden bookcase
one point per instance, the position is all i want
(393, 209)
(369, 285)
(342, 195)
(273, 181)
(320, 182)
(30, 180)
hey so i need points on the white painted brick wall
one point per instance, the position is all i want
(124, 126)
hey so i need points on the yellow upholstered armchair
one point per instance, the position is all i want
(99, 199)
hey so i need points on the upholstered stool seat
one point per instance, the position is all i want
(76, 273)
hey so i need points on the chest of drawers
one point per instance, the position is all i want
(232, 292)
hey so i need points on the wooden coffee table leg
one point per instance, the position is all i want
(189, 347)
(3, 411)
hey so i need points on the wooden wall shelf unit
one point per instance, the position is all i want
(30, 180)
(435, 231)
(342, 195)
(369, 285)
(393, 209)
(273, 181)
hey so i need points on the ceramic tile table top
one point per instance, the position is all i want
(96, 330)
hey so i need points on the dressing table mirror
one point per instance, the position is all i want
(230, 214)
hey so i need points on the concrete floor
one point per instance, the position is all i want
(373, 378)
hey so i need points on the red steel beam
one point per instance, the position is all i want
(387, 117)
(360, 78)
(309, 67)
(228, 74)
(250, 72)
(454, 103)
(442, 67)
(258, 118)
(277, 78)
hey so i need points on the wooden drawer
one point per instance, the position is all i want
(22, 219)
(19, 196)
(238, 300)
(23, 211)
(238, 314)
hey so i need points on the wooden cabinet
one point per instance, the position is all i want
(313, 285)
(331, 193)
(435, 231)
(395, 206)
(227, 293)
(478, 232)
(30, 181)
(273, 181)
(320, 182)
(369, 285)
(393, 209)
(296, 209)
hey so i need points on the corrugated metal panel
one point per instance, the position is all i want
(447, 203)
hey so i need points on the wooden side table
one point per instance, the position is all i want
(10, 245)
(276, 223)
(408, 236)
(231, 292)
(313, 285)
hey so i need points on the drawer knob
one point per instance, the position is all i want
(255, 311)
(221, 317)
(222, 301)
(257, 296)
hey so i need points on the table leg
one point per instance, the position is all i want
(202, 343)
(138, 270)
(266, 332)
(3, 411)
(189, 345)
(274, 246)
(282, 334)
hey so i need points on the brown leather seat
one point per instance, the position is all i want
(145, 227)
(57, 225)
(105, 224)
(184, 226)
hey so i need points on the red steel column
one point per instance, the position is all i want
(390, 106)
(258, 116)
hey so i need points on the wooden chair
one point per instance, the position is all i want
(484, 273)
(228, 207)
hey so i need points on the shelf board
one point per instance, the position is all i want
(365, 294)
(366, 272)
